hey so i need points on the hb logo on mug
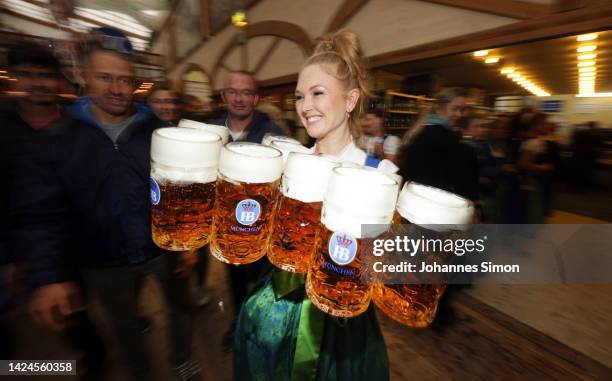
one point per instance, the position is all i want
(342, 248)
(247, 212)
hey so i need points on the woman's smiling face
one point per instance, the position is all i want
(321, 101)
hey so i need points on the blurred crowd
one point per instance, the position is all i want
(507, 163)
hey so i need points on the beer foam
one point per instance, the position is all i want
(222, 131)
(184, 149)
(424, 205)
(163, 174)
(269, 138)
(357, 196)
(306, 176)
(250, 162)
(287, 147)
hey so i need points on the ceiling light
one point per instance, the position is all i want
(586, 69)
(481, 53)
(595, 95)
(587, 56)
(591, 74)
(586, 63)
(507, 70)
(492, 60)
(586, 48)
(586, 37)
(513, 75)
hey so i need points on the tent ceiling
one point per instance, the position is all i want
(137, 18)
(550, 64)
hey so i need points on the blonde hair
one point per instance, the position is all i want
(341, 54)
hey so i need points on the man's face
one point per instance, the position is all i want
(240, 95)
(454, 111)
(372, 124)
(38, 84)
(165, 105)
(110, 82)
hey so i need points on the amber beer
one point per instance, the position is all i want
(222, 131)
(246, 194)
(183, 173)
(298, 217)
(442, 213)
(354, 196)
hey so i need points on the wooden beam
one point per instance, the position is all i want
(283, 29)
(224, 66)
(204, 19)
(267, 53)
(557, 25)
(566, 5)
(563, 24)
(509, 8)
(291, 78)
(345, 12)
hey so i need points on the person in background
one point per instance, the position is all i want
(245, 124)
(536, 159)
(28, 122)
(432, 153)
(165, 103)
(97, 174)
(586, 146)
(477, 135)
(375, 141)
(244, 121)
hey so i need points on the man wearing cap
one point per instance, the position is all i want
(97, 174)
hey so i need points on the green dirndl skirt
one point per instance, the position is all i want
(281, 336)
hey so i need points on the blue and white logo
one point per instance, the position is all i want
(155, 193)
(247, 211)
(342, 248)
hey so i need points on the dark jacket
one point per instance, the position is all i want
(260, 126)
(19, 144)
(437, 158)
(88, 199)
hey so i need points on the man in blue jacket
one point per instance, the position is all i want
(97, 174)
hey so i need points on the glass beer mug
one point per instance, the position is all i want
(298, 216)
(247, 191)
(269, 138)
(183, 179)
(287, 147)
(222, 131)
(435, 213)
(354, 196)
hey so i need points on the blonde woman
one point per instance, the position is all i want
(280, 335)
